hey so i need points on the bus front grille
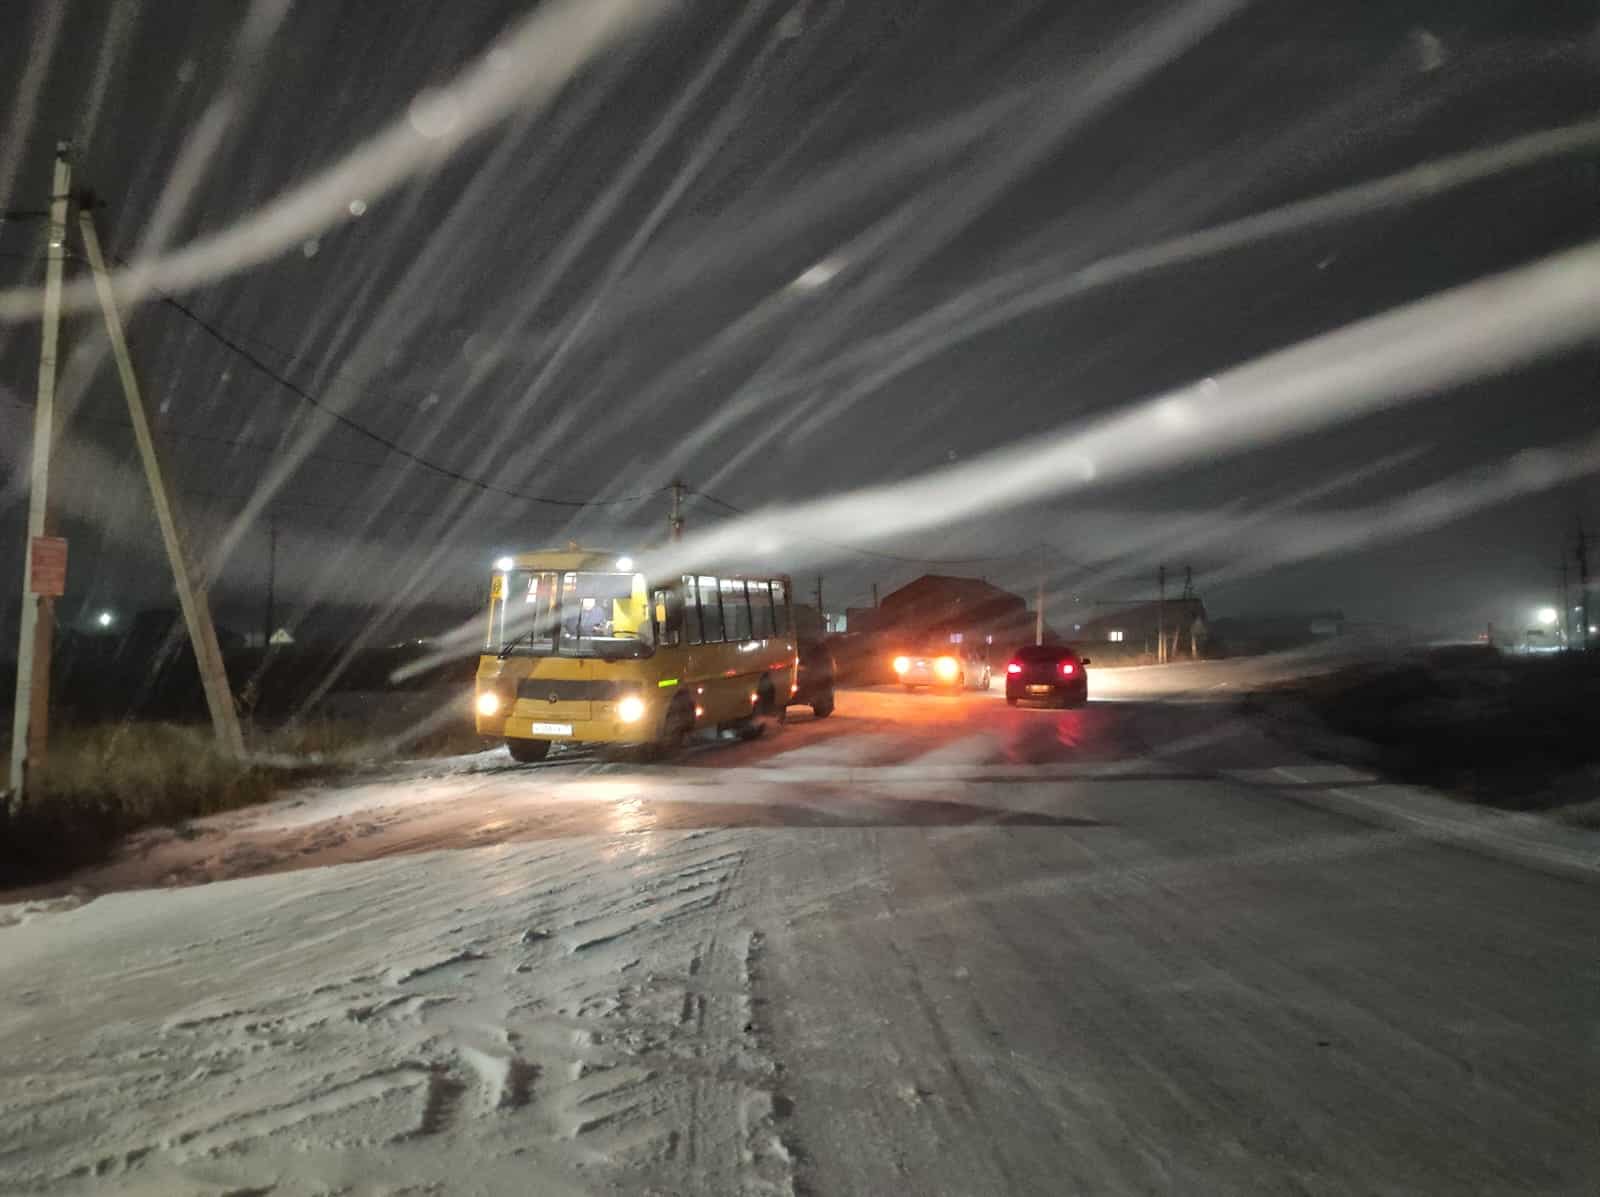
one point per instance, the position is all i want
(560, 690)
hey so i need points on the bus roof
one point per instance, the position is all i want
(605, 561)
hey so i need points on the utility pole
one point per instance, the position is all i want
(30, 725)
(1038, 603)
(675, 520)
(272, 583)
(821, 617)
(1161, 615)
(191, 590)
(1583, 584)
(1564, 624)
(874, 596)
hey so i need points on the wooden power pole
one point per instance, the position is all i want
(271, 623)
(30, 724)
(1583, 586)
(1161, 615)
(191, 590)
(675, 519)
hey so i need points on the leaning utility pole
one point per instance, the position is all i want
(191, 591)
(30, 722)
(675, 520)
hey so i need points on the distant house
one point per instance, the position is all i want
(946, 607)
(1139, 627)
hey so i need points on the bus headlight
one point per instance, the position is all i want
(946, 668)
(901, 664)
(631, 709)
(488, 703)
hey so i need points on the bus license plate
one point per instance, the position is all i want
(552, 729)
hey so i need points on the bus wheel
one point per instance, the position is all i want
(678, 728)
(526, 752)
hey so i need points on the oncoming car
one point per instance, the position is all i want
(943, 667)
(581, 647)
(1052, 673)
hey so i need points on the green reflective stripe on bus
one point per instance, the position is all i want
(669, 681)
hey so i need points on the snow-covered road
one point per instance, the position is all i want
(930, 945)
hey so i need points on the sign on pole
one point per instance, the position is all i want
(48, 559)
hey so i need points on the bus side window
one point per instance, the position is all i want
(780, 608)
(691, 612)
(761, 611)
(668, 606)
(710, 610)
(735, 610)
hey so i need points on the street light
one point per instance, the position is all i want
(1547, 615)
(105, 619)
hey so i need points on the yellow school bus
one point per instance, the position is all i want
(581, 647)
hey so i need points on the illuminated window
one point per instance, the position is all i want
(1115, 635)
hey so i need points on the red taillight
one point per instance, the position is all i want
(1068, 669)
(1013, 668)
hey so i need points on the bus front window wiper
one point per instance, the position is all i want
(513, 642)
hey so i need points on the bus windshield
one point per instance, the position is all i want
(570, 614)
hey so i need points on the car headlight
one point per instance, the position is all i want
(488, 703)
(946, 668)
(631, 709)
(901, 664)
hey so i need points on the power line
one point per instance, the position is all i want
(230, 342)
(345, 508)
(378, 438)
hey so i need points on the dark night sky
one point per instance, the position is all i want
(565, 304)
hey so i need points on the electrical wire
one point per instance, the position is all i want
(232, 344)
(378, 438)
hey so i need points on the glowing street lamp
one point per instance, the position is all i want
(1546, 616)
(105, 619)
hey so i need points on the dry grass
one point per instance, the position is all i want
(351, 741)
(103, 782)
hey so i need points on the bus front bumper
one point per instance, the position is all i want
(559, 729)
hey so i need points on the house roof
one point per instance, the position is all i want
(950, 586)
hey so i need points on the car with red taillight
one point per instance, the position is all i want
(1049, 673)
